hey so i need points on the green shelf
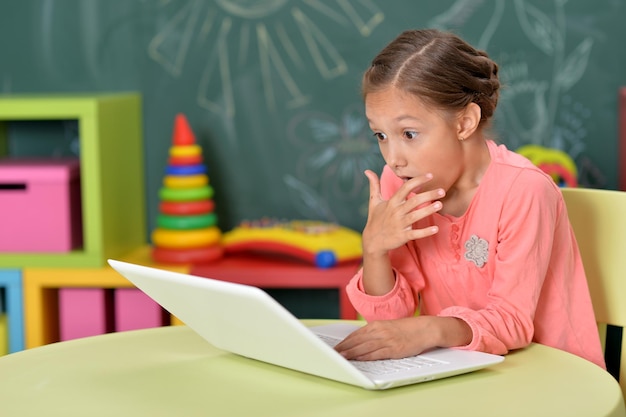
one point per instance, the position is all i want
(111, 171)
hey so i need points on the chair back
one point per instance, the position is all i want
(598, 218)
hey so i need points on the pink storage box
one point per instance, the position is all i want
(83, 313)
(135, 310)
(87, 312)
(40, 209)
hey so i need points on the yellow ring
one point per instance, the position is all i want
(185, 150)
(183, 239)
(540, 155)
(185, 181)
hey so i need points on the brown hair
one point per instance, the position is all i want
(438, 67)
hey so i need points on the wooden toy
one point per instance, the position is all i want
(554, 162)
(187, 181)
(185, 169)
(186, 194)
(183, 135)
(182, 239)
(186, 150)
(186, 222)
(185, 160)
(321, 243)
(195, 256)
(186, 207)
(187, 229)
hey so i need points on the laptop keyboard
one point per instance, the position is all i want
(386, 366)
(390, 366)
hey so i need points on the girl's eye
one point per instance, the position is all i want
(380, 136)
(409, 134)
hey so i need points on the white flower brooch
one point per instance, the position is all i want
(476, 250)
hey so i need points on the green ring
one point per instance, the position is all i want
(186, 194)
(186, 222)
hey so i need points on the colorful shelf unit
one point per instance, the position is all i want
(87, 312)
(4, 334)
(111, 173)
(113, 302)
(11, 284)
(42, 286)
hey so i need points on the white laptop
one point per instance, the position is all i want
(246, 321)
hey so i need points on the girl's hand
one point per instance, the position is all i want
(387, 339)
(400, 338)
(390, 222)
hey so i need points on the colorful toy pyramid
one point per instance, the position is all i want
(187, 229)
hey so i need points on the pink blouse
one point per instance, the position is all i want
(509, 267)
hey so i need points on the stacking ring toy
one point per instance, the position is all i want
(186, 181)
(186, 194)
(188, 256)
(185, 150)
(554, 162)
(183, 208)
(185, 160)
(185, 169)
(186, 222)
(560, 174)
(184, 239)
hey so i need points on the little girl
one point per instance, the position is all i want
(469, 234)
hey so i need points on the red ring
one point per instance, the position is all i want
(567, 177)
(183, 208)
(203, 255)
(185, 160)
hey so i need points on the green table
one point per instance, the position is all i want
(171, 371)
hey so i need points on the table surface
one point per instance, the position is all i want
(171, 371)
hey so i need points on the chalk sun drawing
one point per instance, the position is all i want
(262, 39)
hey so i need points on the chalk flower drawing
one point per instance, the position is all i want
(534, 108)
(341, 149)
(548, 97)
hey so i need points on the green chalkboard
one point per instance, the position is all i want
(271, 87)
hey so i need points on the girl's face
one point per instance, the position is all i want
(415, 139)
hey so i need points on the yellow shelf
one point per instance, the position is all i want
(41, 285)
(4, 334)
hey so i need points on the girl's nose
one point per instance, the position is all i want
(396, 157)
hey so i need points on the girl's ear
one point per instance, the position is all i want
(469, 120)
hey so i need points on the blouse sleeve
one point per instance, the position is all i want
(400, 302)
(528, 226)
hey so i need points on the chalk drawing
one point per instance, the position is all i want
(462, 11)
(177, 35)
(333, 155)
(541, 100)
(262, 40)
(532, 106)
